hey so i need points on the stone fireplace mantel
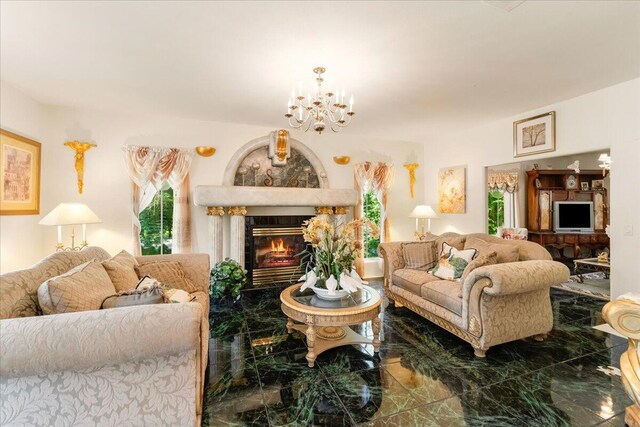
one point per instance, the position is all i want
(230, 196)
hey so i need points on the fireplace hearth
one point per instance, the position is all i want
(272, 249)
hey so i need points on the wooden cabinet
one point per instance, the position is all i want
(547, 186)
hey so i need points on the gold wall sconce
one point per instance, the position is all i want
(80, 148)
(205, 150)
(411, 167)
(342, 160)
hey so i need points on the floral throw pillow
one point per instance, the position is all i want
(452, 262)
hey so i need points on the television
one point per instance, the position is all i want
(573, 217)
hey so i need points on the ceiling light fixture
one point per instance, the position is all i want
(320, 109)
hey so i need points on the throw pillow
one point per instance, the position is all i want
(455, 241)
(449, 267)
(169, 273)
(151, 295)
(419, 255)
(482, 260)
(79, 289)
(466, 254)
(505, 251)
(122, 271)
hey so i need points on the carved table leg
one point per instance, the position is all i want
(376, 333)
(311, 340)
(480, 352)
(289, 325)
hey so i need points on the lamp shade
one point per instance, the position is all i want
(423, 211)
(70, 214)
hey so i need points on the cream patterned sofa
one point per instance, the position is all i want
(141, 365)
(495, 304)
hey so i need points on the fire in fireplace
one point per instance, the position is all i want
(273, 247)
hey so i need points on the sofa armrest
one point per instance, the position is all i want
(518, 277)
(195, 266)
(624, 316)
(391, 253)
(44, 344)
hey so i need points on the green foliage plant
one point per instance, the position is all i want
(227, 280)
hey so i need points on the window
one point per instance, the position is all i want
(495, 217)
(371, 211)
(156, 223)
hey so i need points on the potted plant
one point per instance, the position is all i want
(226, 280)
(331, 257)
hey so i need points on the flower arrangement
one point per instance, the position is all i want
(333, 252)
(227, 279)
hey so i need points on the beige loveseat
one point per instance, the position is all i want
(495, 304)
(141, 365)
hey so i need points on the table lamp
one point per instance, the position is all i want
(71, 214)
(422, 212)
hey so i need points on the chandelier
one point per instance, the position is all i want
(319, 111)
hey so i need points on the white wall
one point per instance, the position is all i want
(21, 237)
(107, 186)
(608, 118)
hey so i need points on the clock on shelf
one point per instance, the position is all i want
(571, 182)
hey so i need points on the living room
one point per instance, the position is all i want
(165, 125)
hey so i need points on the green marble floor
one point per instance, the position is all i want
(423, 375)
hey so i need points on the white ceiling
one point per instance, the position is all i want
(416, 68)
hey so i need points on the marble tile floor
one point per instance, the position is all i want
(423, 375)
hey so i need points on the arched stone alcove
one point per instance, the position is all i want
(251, 166)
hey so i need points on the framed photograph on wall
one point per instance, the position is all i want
(534, 135)
(452, 193)
(20, 171)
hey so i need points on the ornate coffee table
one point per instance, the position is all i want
(326, 323)
(586, 265)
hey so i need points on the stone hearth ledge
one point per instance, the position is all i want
(228, 196)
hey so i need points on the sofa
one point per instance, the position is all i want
(140, 365)
(495, 304)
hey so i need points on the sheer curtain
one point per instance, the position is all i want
(507, 183)
(149, 168)
(376, 176)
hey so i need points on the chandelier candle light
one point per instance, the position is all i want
(319, 110)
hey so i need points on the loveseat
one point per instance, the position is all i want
(141, 365)
(495, 304)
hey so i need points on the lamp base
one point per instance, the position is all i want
(61, 248)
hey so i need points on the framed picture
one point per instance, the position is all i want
(534, 135)
(20, 171)
(584, 186)
(452, 190)
(597, 184)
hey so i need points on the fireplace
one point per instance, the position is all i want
(272, 248)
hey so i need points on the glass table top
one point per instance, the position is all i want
(309, 298)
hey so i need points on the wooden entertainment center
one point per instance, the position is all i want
(547, 186)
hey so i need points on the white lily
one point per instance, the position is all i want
(310, 281)
(354, 274)
(348, 283)
(332, 285)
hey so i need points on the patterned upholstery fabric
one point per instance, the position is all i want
(436, 309)
(195, 266)
(419, 255)
(445, 293)
(122, 271)
(82, 288)
(487, 258)
(505, 253)
(451, 239)
(412, 280)
(169, 273)
(152, 392)
(19, 289)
